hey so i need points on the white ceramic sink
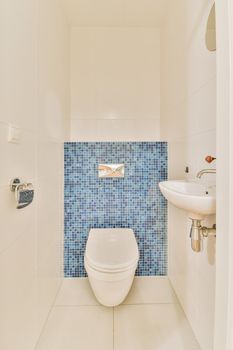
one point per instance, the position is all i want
(197, 199)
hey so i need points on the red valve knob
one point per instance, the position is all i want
(209, 159)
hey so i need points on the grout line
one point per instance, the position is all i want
(152, 303)
(131, 304)
(48, 315)
(32, 131)
(123, 304)
(118, 119)
(15, 241)
(195, 91)
(113, 328)
(82, 305)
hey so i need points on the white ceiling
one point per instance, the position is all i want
(115, 13)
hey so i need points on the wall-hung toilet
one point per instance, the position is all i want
(111, 259)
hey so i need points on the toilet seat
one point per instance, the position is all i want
(110, 269)
(108, 276)
(111, 250)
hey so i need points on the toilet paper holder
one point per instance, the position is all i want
(24, 192)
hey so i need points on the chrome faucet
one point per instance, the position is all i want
(205, 171)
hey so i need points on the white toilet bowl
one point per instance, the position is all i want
(111, 259)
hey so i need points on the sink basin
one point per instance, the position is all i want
(197, 199)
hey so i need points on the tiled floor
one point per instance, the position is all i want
(150, 319)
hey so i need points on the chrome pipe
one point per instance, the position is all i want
(195, 235)
(205, 171)
(198, 232)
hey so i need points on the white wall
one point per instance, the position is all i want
(34, 89)
(224, 258)
(115, 84)
(112, 13)
(188, 108)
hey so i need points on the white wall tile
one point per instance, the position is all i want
(17, 69)
(201, 109)
(14, 222)
(118, 13)
(115, 130)
(52, 127)
(52, 70)
(115, 77)
(187, 64)
(18, 159)
(18, 293)
(197, 148)
(49, 157)
(34, 88)
(188, 108)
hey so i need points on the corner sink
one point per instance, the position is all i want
(197, 199)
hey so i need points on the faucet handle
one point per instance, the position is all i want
(209, 159)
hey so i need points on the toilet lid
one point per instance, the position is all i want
(111, 249)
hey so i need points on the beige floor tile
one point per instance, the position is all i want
(151, 290)
(145, 290)
(76, 291)
(78, 328)
(152, 327)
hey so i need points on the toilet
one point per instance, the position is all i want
(111, 259)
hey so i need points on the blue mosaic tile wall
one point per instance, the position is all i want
(134, 201)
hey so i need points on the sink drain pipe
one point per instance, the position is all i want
(198, 232)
